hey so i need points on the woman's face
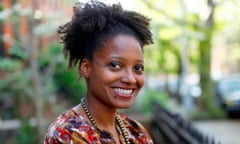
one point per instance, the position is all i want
(116, 73)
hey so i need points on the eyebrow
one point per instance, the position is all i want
(121, 58)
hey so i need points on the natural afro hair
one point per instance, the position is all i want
(94, 23)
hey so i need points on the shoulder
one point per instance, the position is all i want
(130, 122)
(137, 132)
(69, 127)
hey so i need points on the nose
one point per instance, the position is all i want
(129, 77)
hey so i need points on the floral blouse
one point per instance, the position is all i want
(72, 128)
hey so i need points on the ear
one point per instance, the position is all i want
(85, 68)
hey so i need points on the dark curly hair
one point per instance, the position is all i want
(94, 23)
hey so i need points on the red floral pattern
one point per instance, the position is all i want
(72, 128)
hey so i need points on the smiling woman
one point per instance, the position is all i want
(106, 43)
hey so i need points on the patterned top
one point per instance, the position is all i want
(72, 128)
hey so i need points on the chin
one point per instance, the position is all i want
(122, 102)
(124, 106)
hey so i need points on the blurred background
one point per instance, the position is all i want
(192, 69)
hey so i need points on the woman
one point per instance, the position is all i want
(106, 42)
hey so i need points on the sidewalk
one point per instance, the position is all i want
(225, 131)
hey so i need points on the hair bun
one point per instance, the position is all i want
(94, 22)
(95, 16)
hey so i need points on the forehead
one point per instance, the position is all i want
(120, 45)
(122, 42)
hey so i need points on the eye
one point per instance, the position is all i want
(139, 68)
(115, 65)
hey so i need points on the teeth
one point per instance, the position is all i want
(123, 91)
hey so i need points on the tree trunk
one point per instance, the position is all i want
(33, 47)
(205, 61)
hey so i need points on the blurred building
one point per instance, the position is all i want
(16, 17)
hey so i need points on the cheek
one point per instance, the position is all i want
(107, 76)
(140, 80)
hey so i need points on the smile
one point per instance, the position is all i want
(122, 91)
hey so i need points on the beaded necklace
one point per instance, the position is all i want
(117, 118)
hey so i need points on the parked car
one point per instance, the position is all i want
(228, 94)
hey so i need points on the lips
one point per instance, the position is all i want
(123, 92)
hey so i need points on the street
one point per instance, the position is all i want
(226, 131)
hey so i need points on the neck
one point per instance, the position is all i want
(102, 115)
(106, 123)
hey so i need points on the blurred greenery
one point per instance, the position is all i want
(66, 81)
(143, 101)
(26, 134)
(213, 113)
(193, 40)
(56, 79)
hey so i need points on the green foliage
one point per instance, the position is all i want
(51, 55)
(16, 72)
(7, 64)
(26, 134)
(17, 59)
(17, 79)
(211, 113)
(66, 81)
(17, 84)
(54, 76)
(1, 7)
(143, 101)
(17, 51)
(71, 2)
